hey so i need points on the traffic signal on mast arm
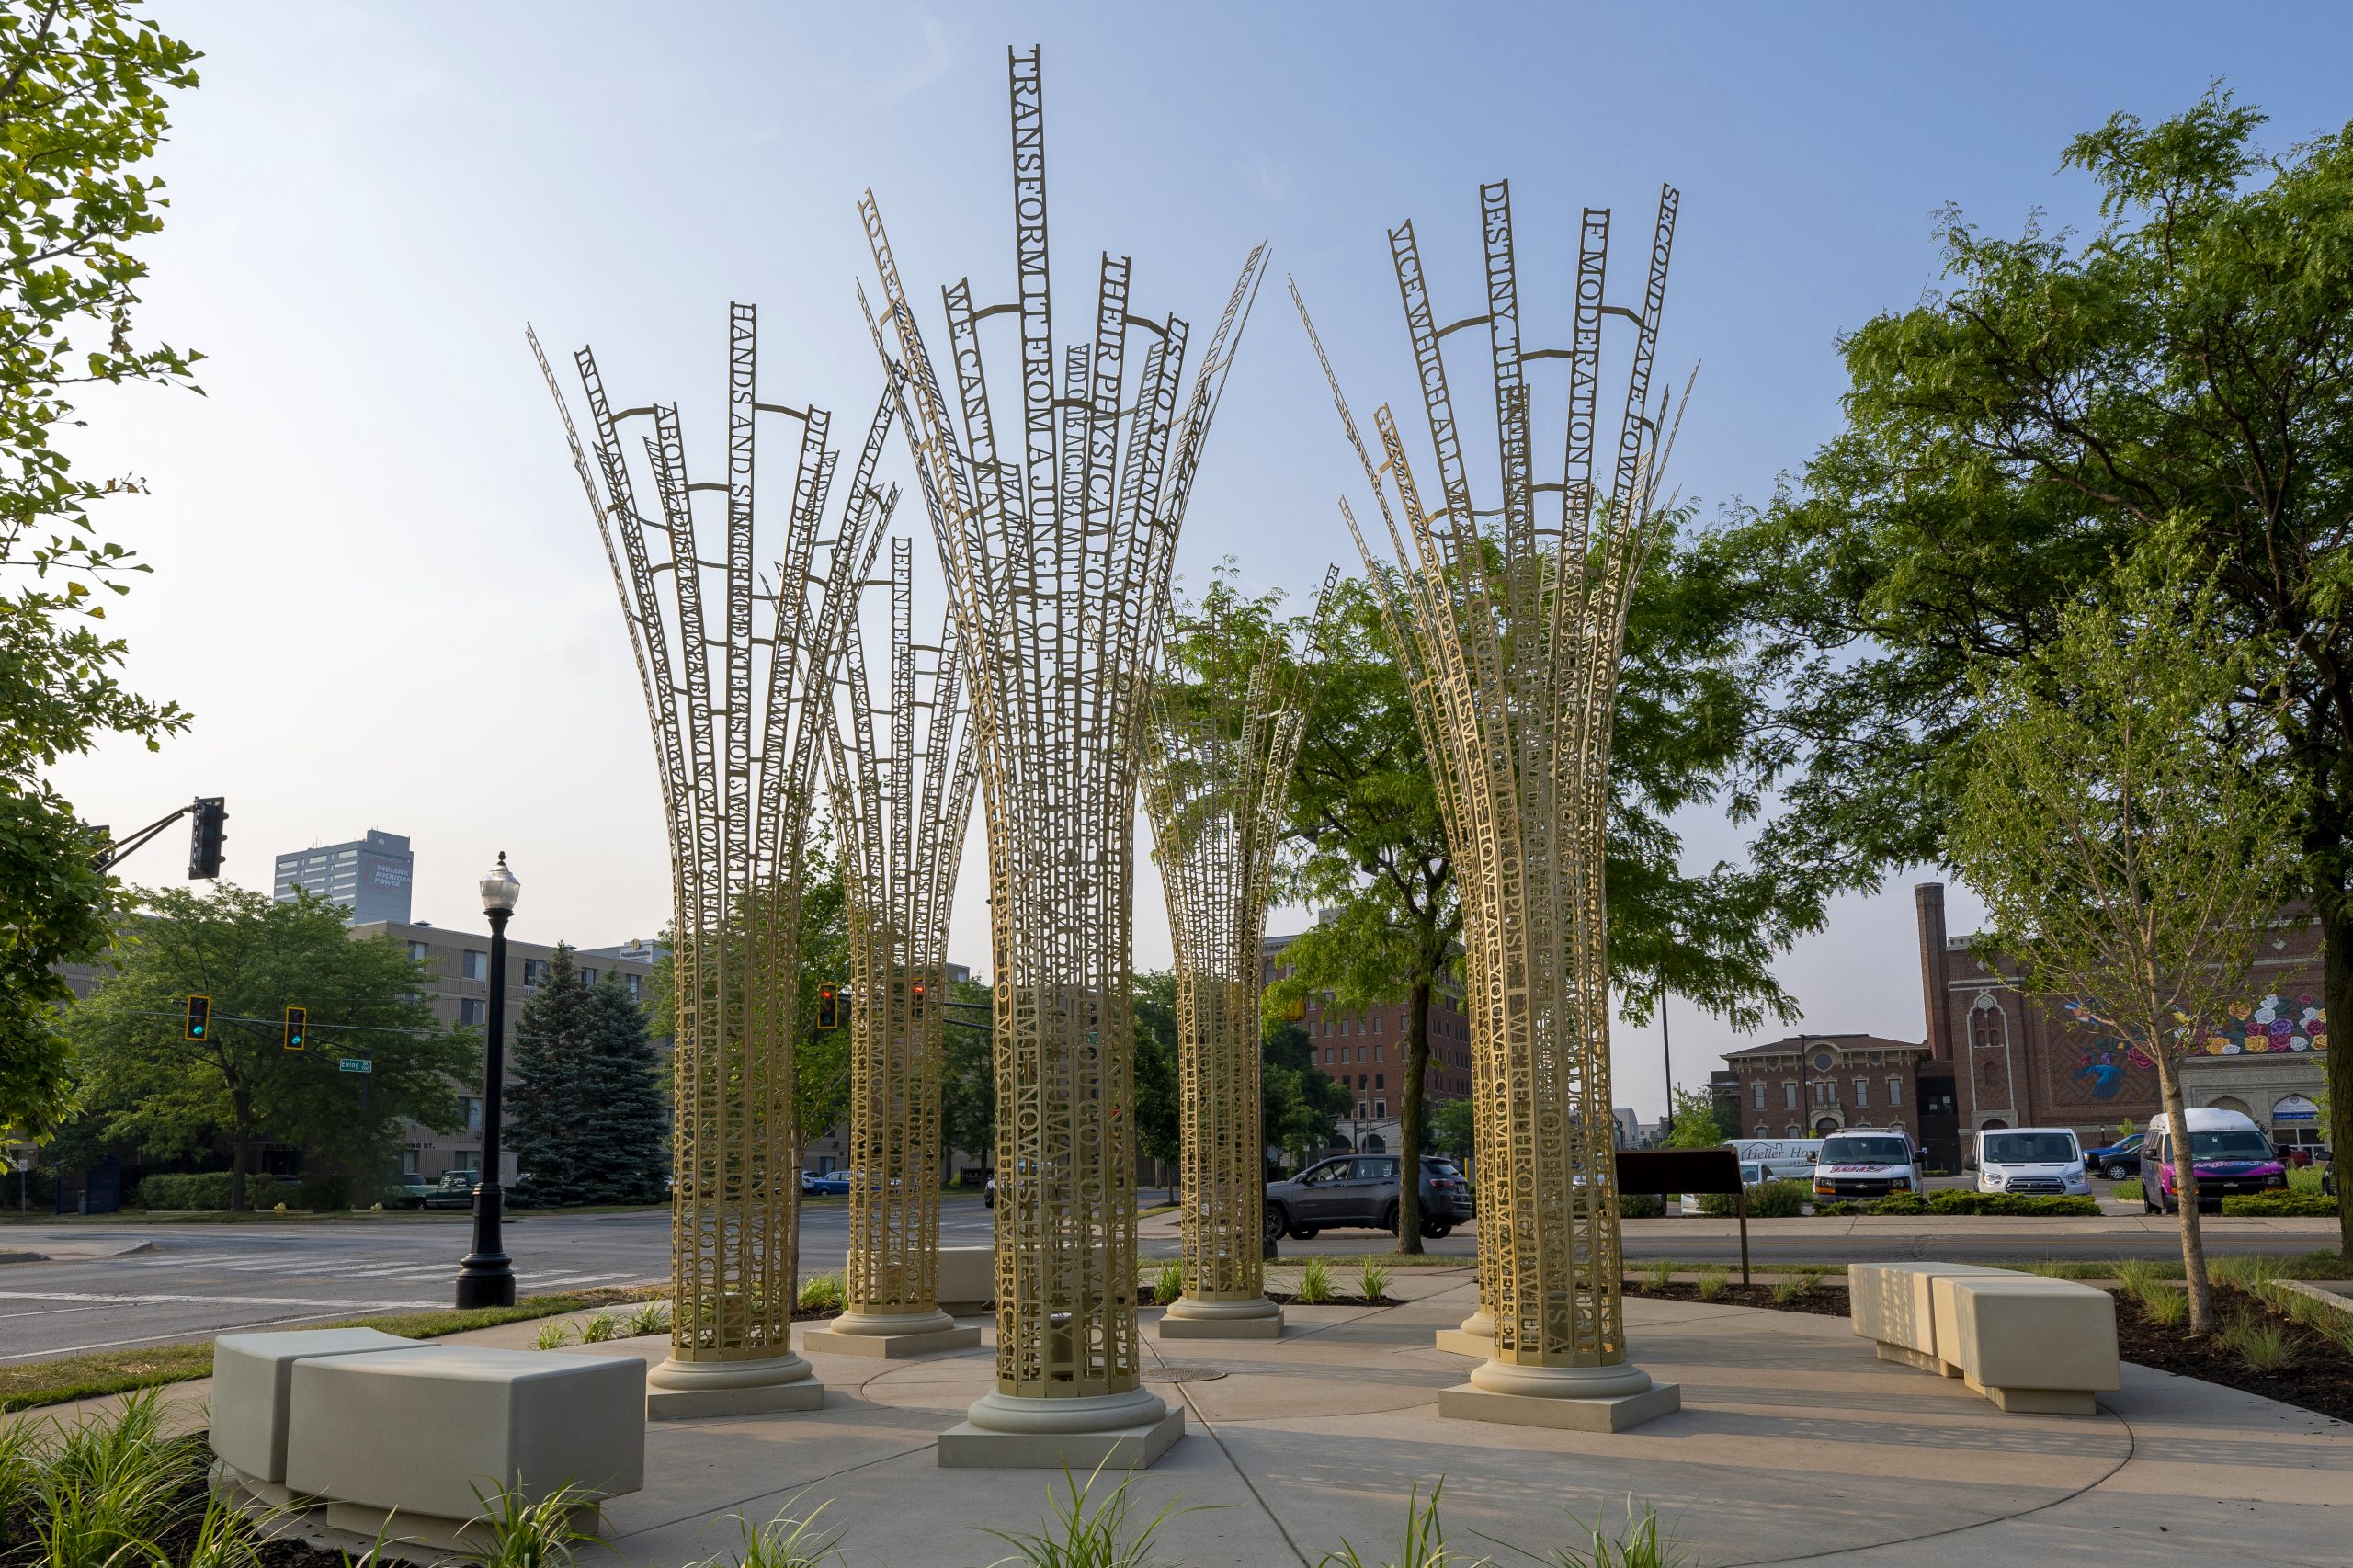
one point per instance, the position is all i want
(206, 836)
(298, 1026)
(829, 1008)
(199, 1018)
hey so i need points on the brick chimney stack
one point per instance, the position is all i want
(1935, 969)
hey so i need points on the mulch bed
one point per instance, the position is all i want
(2318, 1376)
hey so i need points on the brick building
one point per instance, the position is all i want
(1809, 1086)
(2022, 1061)
(1363, 1048)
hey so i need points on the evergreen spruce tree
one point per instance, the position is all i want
(551, 1096)
(623, 1115)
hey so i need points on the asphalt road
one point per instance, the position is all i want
(192, 1280)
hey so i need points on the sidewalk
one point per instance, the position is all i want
(1794, 1443)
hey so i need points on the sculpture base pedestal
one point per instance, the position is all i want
(1568, 1399)
(1255, 1318)
(682, 1390)
(1462, 1342)
(888, 1347)
(1123, 1431)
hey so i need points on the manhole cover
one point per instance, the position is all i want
(1184, 1375)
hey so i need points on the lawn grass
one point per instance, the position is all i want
(24, 1384)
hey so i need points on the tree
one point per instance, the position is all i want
(968, 1073)
(1368, 843)
(1454, 1128)
(1698, 1122)
(81, 105)
(170, 1096)
(1159, 1113)
(2035, 421)
(588, 1113)
(2129, 843)
(1299, 1105)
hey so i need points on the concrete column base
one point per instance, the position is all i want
(1462, 1342)
(888, 1347)
(1572, 1399)
(1253, 1318)
(682, 1390)
(1114, 1431)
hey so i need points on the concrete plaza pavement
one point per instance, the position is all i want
(1794, 1444)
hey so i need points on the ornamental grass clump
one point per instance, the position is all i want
(785, 1541)
(823, 1294)
(2167, 1305)
(1712, 1282)
(1081, 1531)
(651, 1317)
(523, 1534)
(1658, 1276)
(1373, 1282)
(1314, 1282)
(1642, 1543)
(2262, 1343)
(600, 1328)
(1423, 1546)
(1168, 1282)
(554, 1335)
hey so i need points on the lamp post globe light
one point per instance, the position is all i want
(486, 1278)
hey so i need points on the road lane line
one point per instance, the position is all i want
(114, 1299)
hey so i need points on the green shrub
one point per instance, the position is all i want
(1840, 1207)
(1718, 1203)
(2280, 1204)
(209, 1189)
(324, 1192)
(1779, 1200)
(2303, 1179)
(823, 1293)
(2014, 1203)
(1898, 1203)
(1640, 1205)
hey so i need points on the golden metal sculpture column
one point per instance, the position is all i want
(737, 658)
(1057, 544)
(1226, 717)
(1508, 619)
(899, 771)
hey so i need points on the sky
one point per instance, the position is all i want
(375, 583)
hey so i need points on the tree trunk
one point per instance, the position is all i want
(1409, 1116)
(241, 1141)
(2337, 994)
(2184, 1186)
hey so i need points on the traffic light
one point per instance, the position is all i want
(199, 1018)
(298, 1025)
(206, 836)
(918, 998)
(829, 1009)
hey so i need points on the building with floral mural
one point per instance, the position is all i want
(2021, 1061)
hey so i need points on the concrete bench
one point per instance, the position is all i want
(417, 1443)
(967, 1280)
(2028, 1344)
(253, 1385)
(1892, 1304)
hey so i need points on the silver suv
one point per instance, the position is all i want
(1361, 1190)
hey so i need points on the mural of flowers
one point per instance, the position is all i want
(2274, 1024)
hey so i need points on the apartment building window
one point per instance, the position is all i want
(1895, 1091)
(410, 1161)
(1376, 1023)
(587, 977)
(534, 971)
(472, 1105)
(1377, 1083)
(1788, 1096)
(1360, 1107)
(630, 982)
(476, 965)
(1862, 1092)
(419, 951)
(1760, 1095)
(1376, 1050)
(1381, 1107)
(470, 1010)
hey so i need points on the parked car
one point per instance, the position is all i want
(1361, 1190)
(2229, 1153)
(455, 1189)
(2120, 1159)
(409, 1191)
(825, 1183)
(2036, 1160)
(1866, 1163)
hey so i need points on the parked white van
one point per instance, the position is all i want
(1865, 1162)
(2032, 1160)
(1776, 1159)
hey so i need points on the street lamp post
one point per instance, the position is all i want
(486, 1278)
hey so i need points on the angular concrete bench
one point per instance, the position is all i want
(417, 1443)
(2033, 1344)
(253, 1386)
(967, 1280)
(1893, 1305)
